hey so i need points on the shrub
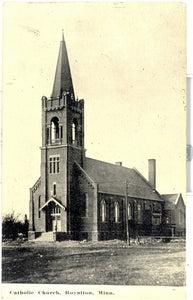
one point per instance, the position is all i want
(11, 227)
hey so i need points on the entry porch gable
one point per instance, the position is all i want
(52, 199)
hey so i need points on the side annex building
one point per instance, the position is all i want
(81, 198)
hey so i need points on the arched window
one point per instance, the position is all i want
(116, 207)
(61, 132)
(129, 213)
(139, 214)
(74, 131)
(85, 205)
(39, 205)
(54, 129)
(47, 135)
(103, 211)
(54, 189)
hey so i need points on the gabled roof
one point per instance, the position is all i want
(52, 199)
(36, 185)
(63, 79)
(112, 179)
(171, 200)
(85, 175)
(171, 197)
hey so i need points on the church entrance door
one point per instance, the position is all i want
(56, 224)
(56, 218)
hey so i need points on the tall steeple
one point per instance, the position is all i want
(63, 79)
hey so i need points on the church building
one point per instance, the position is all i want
(81, 198)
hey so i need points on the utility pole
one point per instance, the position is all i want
(126, 214)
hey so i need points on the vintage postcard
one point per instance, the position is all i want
(94, 150)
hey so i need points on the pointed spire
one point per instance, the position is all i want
(63, 35)
(63, 79)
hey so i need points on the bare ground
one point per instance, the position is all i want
(110, 262)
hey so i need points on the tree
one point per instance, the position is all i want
(11, 227)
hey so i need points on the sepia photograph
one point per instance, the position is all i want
(94, 150)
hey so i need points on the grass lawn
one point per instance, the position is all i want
(112, 262)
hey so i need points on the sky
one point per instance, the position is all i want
(128, 61)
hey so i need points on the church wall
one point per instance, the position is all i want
(63, 221)
(31, 211)
(83, 204)
(145, 217)
(109, 228)
(87, 222)
(58, 178)
(39, 217)
(151, 221)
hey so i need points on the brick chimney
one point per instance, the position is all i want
(152, 172)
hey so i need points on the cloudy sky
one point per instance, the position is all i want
(128, 61)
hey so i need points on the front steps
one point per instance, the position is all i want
(46, 237)
(50, 236)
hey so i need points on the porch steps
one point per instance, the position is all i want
(45, 237)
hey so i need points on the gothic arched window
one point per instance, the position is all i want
(47, 135)
(116, 211)
(139, 213)
(103, 210)
(74, 131)
(39, 205)
(54, 129)
(129, 213)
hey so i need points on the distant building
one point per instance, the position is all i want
(82, 198)
(174, 215)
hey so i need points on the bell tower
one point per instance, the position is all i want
(62, 144)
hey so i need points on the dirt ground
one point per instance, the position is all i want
(112, 262)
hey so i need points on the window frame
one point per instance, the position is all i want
(56, 210)
(74, 131)
(129, 211)
(139, 214)
(55, 129)
(156, 217)
(54, 164)
(54, 188)
(116, 211)
(103, 211)
(39, 206)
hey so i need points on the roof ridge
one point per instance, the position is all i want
(112, 164)
(171, 194)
